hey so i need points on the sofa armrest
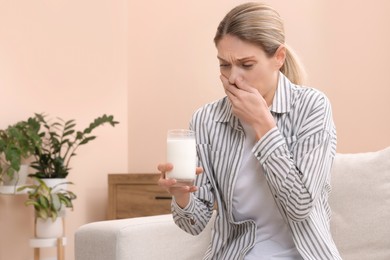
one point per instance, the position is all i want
(154, 237)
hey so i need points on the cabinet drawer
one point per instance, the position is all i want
(136, 195)
(141, 200)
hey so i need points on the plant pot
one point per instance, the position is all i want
(52, 182)
(49, 229)
(19, 178)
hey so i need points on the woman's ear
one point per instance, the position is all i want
(280, 56)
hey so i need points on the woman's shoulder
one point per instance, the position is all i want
(309, 96)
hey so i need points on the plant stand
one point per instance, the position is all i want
(38, 243)
(12, 190)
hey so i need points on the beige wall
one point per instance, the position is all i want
(173, 67)
(151, 64)
(68, 59)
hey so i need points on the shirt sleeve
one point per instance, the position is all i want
(299, 171)
(195, 216)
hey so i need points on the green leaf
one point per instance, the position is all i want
(43, 202)
(56, 201)
(31, 203)
(69, 125)
(68, 133)
(87, 139)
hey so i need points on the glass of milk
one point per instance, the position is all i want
(181, 152)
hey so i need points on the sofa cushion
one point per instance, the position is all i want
(360, 203)
(143, 238)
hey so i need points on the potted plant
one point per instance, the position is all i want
(17, 144)
(48, 203)
(60, 140)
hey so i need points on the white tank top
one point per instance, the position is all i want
(252, 199)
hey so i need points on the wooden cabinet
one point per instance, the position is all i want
(136, 195)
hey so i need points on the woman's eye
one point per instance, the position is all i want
(247, 65)
(223, 65)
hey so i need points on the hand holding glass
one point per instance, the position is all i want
(181, 153)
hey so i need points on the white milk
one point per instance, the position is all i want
(182, 154)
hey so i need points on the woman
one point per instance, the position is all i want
(265, 150)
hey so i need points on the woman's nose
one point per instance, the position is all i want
(234, 74)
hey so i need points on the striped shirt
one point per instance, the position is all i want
(296, 156)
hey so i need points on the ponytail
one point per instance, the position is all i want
(293, 68)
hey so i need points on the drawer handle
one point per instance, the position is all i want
(162, 197)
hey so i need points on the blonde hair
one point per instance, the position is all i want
(260, 24)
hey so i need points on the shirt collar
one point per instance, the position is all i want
(225, 114)
(280, 104)
(282, 98)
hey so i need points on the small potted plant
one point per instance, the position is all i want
(48, 203)
(17, 144)
(60, 140)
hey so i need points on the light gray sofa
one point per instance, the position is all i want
(360, 202)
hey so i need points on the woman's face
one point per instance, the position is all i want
(241, 59)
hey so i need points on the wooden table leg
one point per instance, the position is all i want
(60, 249)
(36, 254)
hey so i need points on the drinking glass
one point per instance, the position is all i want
(181, 152)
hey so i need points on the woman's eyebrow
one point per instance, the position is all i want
(219, 58)
(240, 59)
(246, 58)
